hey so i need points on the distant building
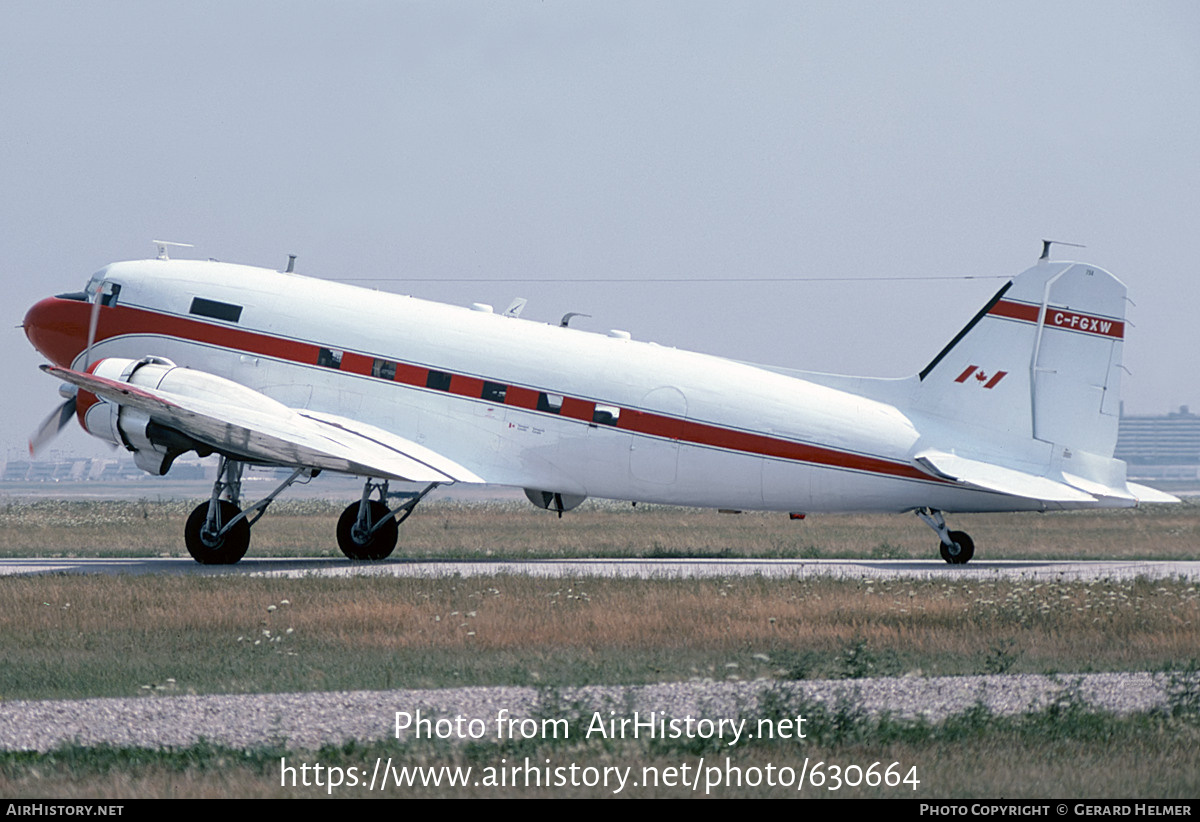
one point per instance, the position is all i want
(1162, 447)
(16, 470)
(79, 469)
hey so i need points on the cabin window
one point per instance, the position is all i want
(551, 403)
(438, 380)
(329, 358)
(494, 391)
(384, 369)
(606, 414)
(211, 308)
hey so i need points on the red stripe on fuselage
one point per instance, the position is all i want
(519, 397)
(466, 386)
(578, 409)
(411, 374)
(125, 320)
(357, 363)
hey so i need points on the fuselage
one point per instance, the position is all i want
(519, 402)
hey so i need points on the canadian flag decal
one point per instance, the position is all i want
(981, 376)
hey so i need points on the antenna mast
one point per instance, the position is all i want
(164, 244)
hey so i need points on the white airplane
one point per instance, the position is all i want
(1017, 413)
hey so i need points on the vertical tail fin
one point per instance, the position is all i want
(1041, 360)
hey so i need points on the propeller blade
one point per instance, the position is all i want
(50, 426)
(93, 323)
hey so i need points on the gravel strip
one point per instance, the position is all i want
(306, 721)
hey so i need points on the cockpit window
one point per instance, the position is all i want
(107, 289)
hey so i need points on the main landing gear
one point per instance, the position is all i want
(218, 531)
(956, 546)
(367, 529)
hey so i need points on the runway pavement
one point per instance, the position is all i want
(644, 568)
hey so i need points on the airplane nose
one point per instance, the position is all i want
(58, 328)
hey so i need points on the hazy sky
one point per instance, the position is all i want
(585, 141)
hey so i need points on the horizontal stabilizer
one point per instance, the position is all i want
(992, 477)
(1145, 493)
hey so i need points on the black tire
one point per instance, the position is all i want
(379, 545)
(965, 549)
(225, 550)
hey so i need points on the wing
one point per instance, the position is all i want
(244, 424)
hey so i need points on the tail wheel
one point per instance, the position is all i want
(210, 549)
(378, 544)
(962, 550)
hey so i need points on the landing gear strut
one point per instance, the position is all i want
(368, 529)
(957, 548)
(218, 531)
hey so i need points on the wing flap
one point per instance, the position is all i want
(372, 436)
(271, 432)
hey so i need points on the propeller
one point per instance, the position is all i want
(59, 417)
(57, 420)
(93, 324)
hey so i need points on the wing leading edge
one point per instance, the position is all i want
(255, 428)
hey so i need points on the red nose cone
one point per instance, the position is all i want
(58, 328)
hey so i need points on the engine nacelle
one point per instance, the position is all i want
(156, 446)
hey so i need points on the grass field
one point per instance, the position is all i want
(72, 636)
